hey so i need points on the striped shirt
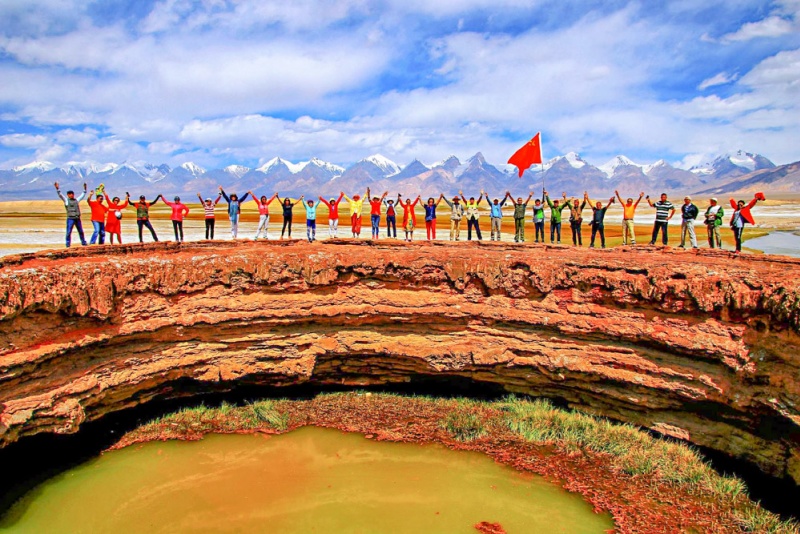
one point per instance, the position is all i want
(663, 209)
(209, 209)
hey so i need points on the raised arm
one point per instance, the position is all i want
(619, 197)
(448, 202)
(255, 199)
(222, 192)
(463, 198)
(299, 200)
(325, 202)
(649, 201)
(58, 191)
(610, 201)
(586, 199)
(82, 195)
(167, 202)
(244, 197)
(638, 199)
(384, 195)
(200, 198)
(441, 196)
(529, 197)
(547, 199)
(416, 202)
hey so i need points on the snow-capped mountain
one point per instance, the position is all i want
(569, 173)
(741, 162)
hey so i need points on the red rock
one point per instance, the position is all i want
(703, 346)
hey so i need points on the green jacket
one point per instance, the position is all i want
(519, 210)
(715, 219)
(555, 211)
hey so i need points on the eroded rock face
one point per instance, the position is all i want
(699, 346)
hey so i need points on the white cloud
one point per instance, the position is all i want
(773, 26)
(23, 140)
(718, 79)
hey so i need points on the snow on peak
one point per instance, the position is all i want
(660, 163)
(330, 167)
(575, 160)
(35, 166)
(743, 159)
(294, 168)
(193, 168)
(619, 161)
(388, 166)
(236, 170)
(451, 159)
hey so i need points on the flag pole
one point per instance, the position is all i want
(541, 156)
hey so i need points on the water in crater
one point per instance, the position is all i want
(309, 480)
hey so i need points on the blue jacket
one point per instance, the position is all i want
(497, 210)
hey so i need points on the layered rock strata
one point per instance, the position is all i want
(701, 346)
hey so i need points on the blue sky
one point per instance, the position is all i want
(219, 82)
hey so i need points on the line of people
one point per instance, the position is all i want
(106, 216)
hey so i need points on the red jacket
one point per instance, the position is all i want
(333, 207)
(376, 207)
(745, 211)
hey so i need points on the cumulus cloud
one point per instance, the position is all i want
(242, 81)
(23, 140)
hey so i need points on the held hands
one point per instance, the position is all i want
(641, 194)
(56, 184)
(84, 187)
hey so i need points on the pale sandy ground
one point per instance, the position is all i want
(28, 226)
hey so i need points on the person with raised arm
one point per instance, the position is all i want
(430, 216)
(142, 208)
(391, 218)
(333, 214)
(288, 207)
(598, 215)
(179, 211)
(713, 221)
(742, 216)
(519, 216)
(409, 215)
(234, 209)
(473, 214)
(556, 207)
(664, 212)
(99, 212)
(114, 218)
(375, 204)
(263, 213)
(356, 204)
(689, 213)
(496, 216)
(628, 211)
(73, 207)
(456, 214)
(210, 217)
(538, 218)
(576, 220)
(311, 220)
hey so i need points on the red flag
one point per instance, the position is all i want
(529, 154)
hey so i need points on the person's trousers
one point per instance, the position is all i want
(235, 226)
(714, 236)
(497, 223)
(577, 238)
(628, 233)
(287, 226)
(538, 227)
(376, 225)
(737, 235)
(99, 232)
(555, 229)
(177, 227)
(355, 222)
(662, 227)
(210, 228)
(391, 226)
(473, 223)
(519, 229)
(263, 226)
(78, 225)
(333, 227)
(145, 223)
(687, 227)
(455, 229)
(430, 228)
(311, 229)
(598, 228)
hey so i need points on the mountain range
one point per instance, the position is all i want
(731, 173)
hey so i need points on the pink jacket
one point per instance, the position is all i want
(179, 209)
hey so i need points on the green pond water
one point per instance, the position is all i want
(309, 480)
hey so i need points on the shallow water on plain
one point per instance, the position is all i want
(309, 480)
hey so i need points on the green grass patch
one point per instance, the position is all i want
(464, 425)
(266, 411)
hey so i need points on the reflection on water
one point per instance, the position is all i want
(310, 480)
(786, 243)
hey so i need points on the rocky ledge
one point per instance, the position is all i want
(701, 346)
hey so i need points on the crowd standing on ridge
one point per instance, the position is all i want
(106, 216)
